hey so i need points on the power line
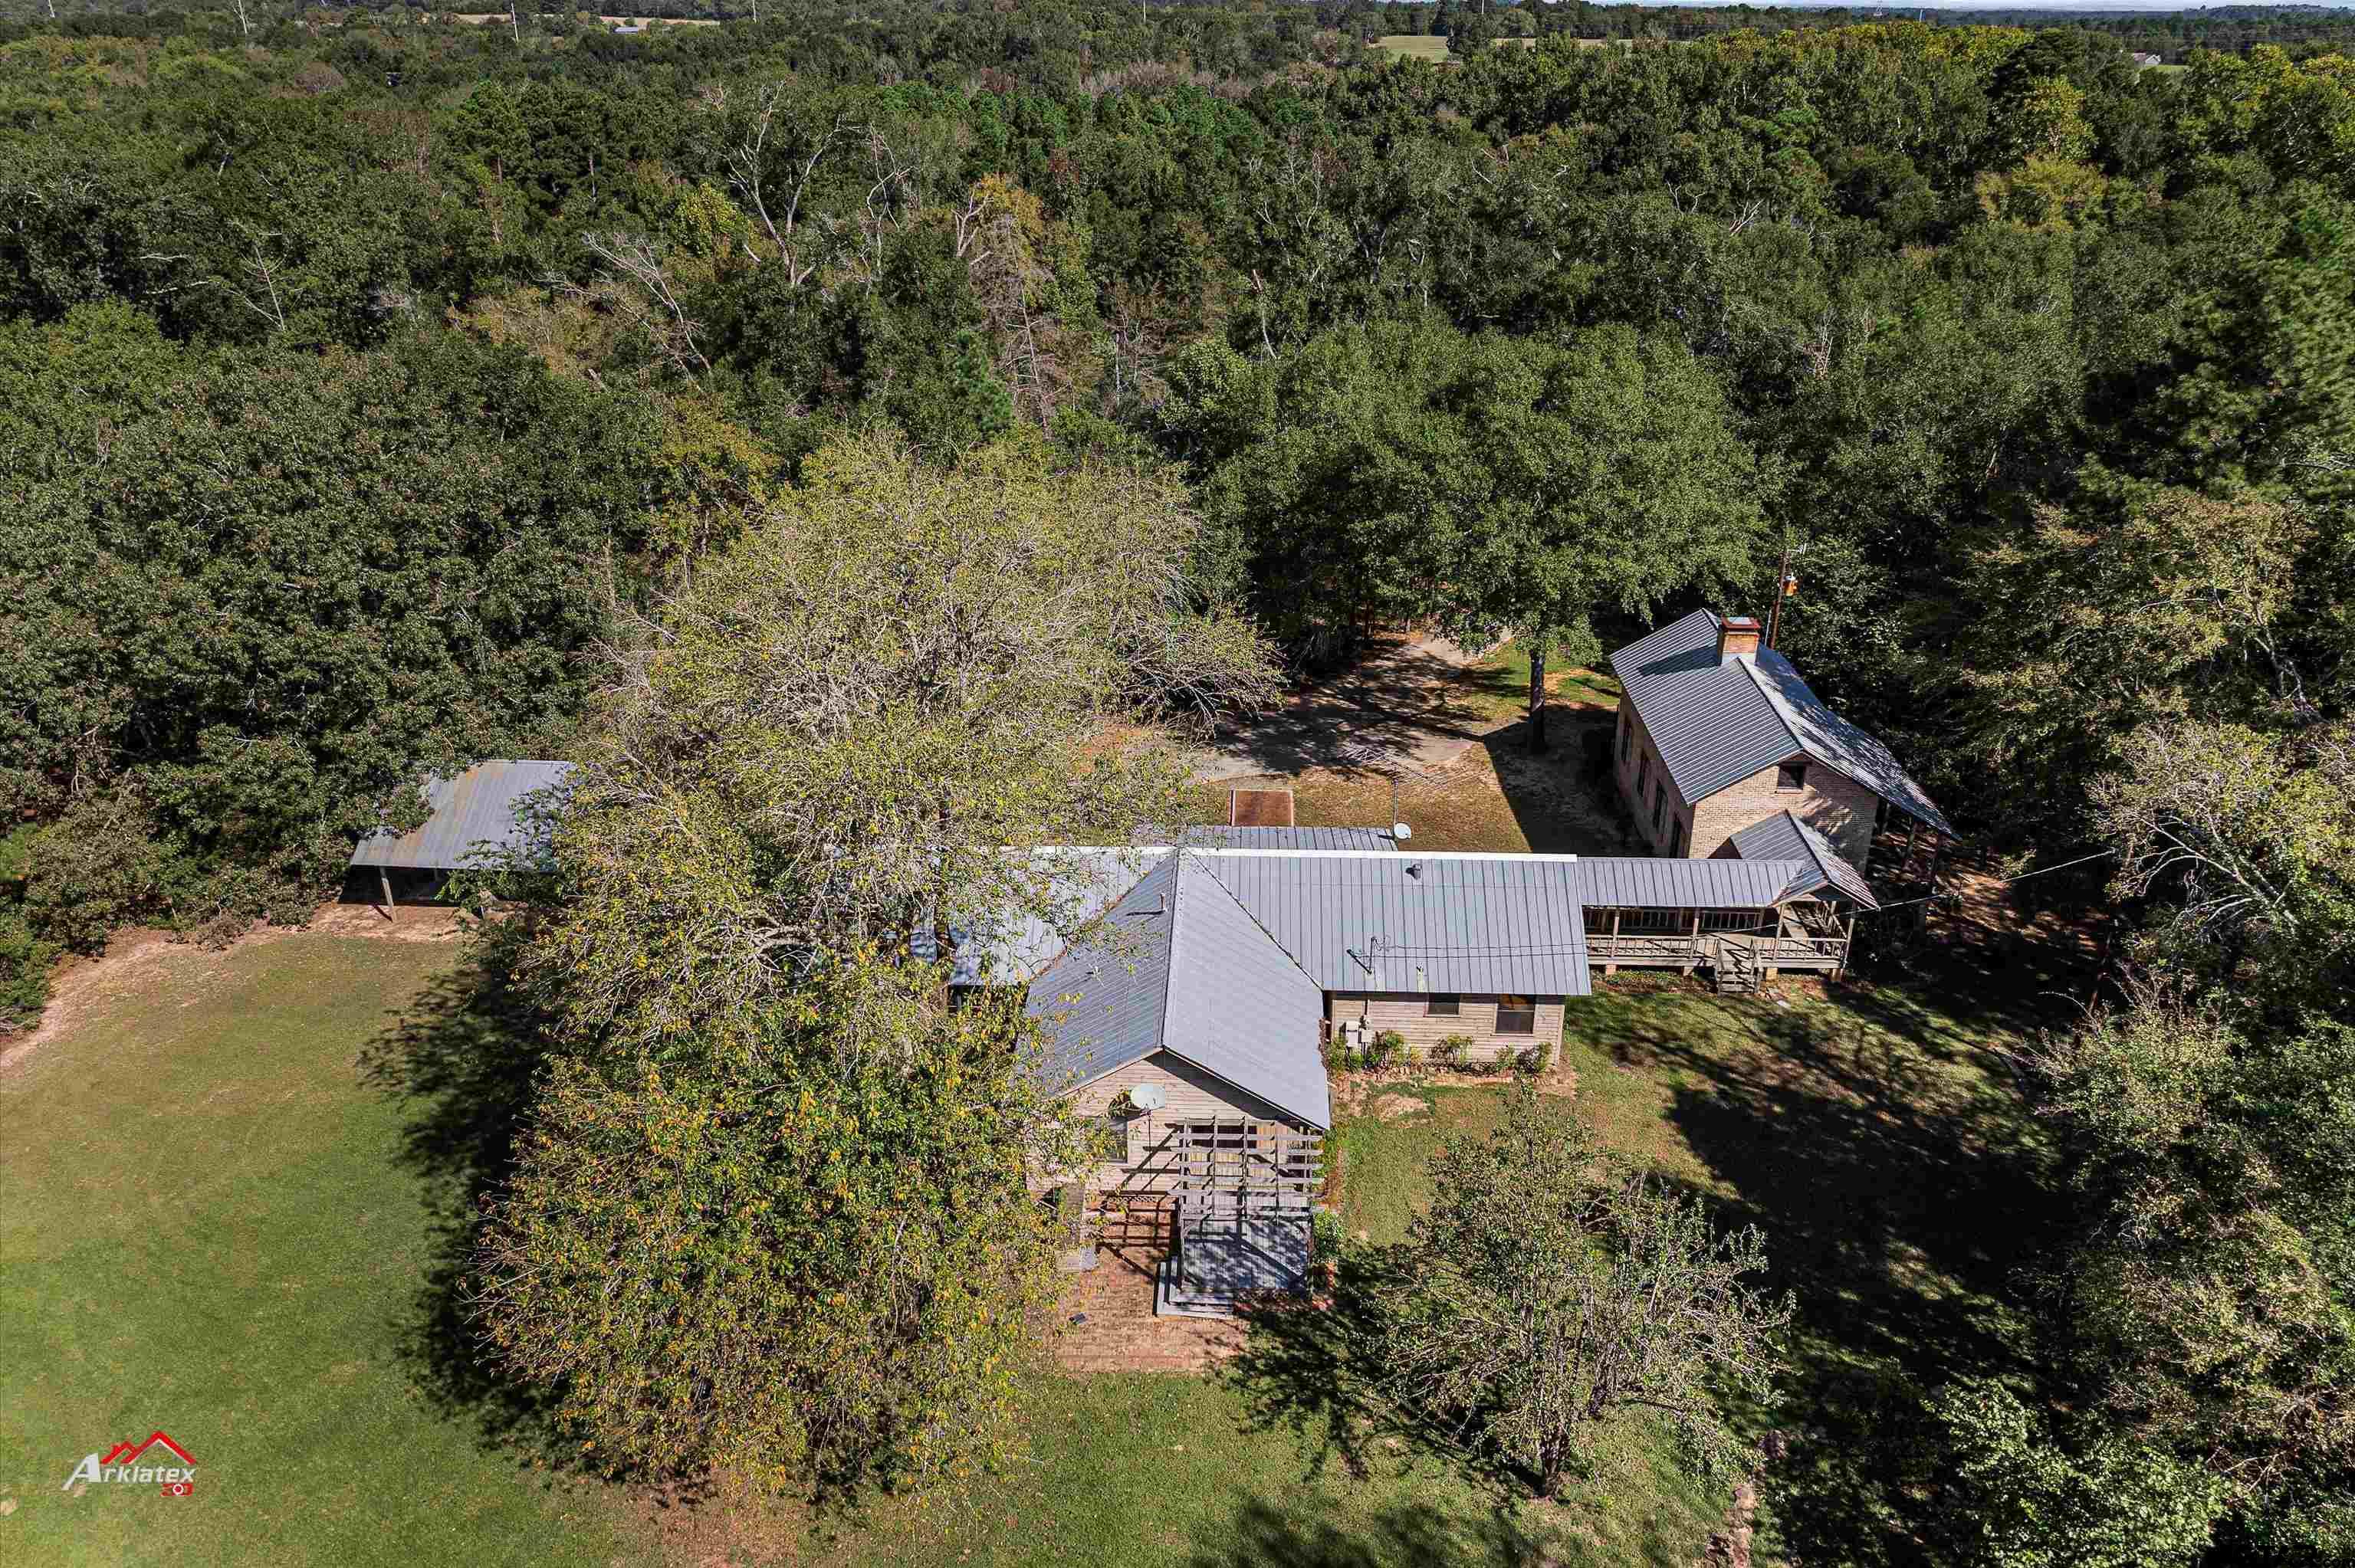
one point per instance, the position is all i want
(2002, 881)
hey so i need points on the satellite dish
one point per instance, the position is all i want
(1148, 1098)
(1401, 831)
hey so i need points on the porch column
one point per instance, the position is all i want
(1692, 942)
(1613, 968)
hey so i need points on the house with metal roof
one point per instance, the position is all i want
(1192, 992)
(1717, 735)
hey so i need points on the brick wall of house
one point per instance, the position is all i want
(1641, 760)
(1410, 1017)
(1191, 1095)
(1834, 804)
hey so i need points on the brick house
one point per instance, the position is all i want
(1717, 735)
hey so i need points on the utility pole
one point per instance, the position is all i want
(1785, 585)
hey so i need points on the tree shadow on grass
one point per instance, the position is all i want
(1313, 1368)
(462, 1062)
(1409, 1535)
(1902, 1187)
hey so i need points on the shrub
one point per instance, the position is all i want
(1323, 1237)
(1534, 1058)
(1386, 1047)
(1452, 1051)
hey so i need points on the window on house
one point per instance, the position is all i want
(1445, 1006)
(1515, 1015)
(1791, 776)
(1684, 838)
(1626, 736)
(1659, 808)
(1643, 775)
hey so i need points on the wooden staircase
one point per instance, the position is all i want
(1735, 967)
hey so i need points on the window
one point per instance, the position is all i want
(1515, 1015)
(1643, 775)
(1659, 807)
(1791, 776)
(1445, 1006)
(1626, 736)
(1684, 840)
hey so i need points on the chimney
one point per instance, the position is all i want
(1737, 638)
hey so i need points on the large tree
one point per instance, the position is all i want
(772, 1221)
(1547, 1298)
(1495, 482)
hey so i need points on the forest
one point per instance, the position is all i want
(364, 374)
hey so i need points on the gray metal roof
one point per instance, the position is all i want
(1239, 1006)
(1631, 883)
(1221, 837)
(1405, 922)
(1074, 884)
(1177, 965)
(1222, 955)
(1716, 723)
(474, 818)
(1783, 838)
(1105, 997)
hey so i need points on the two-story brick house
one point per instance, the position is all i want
(1717, 735)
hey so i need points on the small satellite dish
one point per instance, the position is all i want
(1401, 831)
(1148, 1098)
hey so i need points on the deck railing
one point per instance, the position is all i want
(1682, 948)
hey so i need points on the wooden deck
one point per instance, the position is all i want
(1793, 949)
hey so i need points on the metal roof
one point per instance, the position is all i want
(1631, 882)
(1177, 965)
(1270, 838)
(1105, 997)
(1718, 722)
(1782, 838)
(1394, 922)
(1074, 884)
(474, 818)
(1221, 956)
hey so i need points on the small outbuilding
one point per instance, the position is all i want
(476, 817)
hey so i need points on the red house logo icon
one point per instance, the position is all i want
(124, 1462)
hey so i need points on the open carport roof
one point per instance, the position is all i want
(473, 821)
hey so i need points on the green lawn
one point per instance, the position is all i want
(211, 1232)
(1415, 45)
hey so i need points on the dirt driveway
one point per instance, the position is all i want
(1408, 705)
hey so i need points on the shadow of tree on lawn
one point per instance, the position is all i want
(1409, 1535)
(1902, 1187)
(464, 1060)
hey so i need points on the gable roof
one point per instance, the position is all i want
(474, 818)
(1716, 723)
(1387, 921)
(1782, 837)
(1177, 965)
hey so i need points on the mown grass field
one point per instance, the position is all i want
(211, 1229)
(1415, 45)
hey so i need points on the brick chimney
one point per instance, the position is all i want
(1737, 638)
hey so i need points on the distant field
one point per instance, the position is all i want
(1421, 47)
